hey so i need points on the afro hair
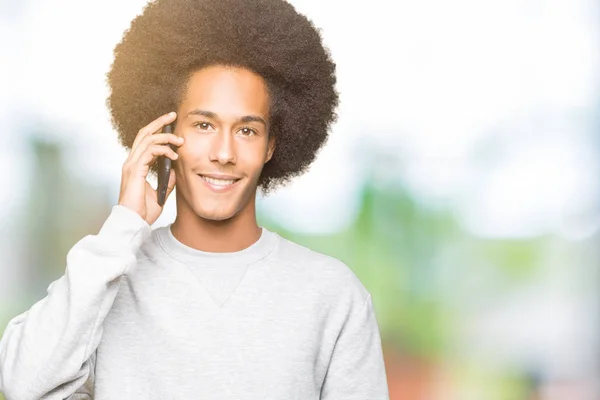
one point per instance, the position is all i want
(172, 39)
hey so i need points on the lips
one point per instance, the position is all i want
(221, 177)
(218, 185)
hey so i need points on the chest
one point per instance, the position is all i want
(165, 336)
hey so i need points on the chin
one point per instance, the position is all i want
(219, 214)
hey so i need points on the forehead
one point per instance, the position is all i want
(227, 91)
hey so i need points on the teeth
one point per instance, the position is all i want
(217, 182)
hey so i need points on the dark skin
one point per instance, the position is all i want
(224, 120)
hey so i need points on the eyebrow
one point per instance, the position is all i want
(210, 114)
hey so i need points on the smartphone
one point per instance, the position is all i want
(164, 170)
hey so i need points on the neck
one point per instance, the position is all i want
(230, 235)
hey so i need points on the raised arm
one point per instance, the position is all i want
(45, 351)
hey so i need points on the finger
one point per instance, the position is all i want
(142, 165)
(162, 138)
(154, 127)
(149, 156)
(156, 139)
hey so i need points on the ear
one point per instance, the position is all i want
(270, 148)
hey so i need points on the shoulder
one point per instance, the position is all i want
(320, 271)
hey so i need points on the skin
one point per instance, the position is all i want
(221, 144)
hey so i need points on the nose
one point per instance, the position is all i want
(223, 148)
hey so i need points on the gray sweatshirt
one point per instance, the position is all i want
(139, 315)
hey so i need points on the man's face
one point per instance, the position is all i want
(224, 120)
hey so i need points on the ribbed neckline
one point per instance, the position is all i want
(190, 256)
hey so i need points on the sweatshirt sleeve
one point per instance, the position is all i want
(356, 370)
(47, 351)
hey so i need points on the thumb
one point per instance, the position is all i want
(171, 184)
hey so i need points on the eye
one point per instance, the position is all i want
(202, 125)
(246, 131)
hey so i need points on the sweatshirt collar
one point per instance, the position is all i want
(190, 256)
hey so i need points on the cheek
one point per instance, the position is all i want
(192, 150)
(252, 156)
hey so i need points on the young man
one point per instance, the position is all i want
(212, 306)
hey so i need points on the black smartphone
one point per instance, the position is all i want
(164, 170)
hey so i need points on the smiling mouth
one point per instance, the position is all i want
(219, 182)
